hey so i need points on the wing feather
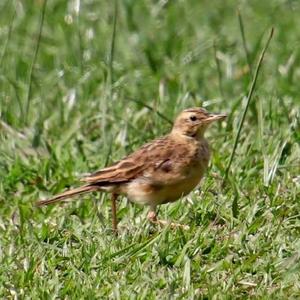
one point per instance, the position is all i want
(127, 168)
(156, 161)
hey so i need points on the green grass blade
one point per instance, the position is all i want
(241, 25)
(249, 97)
(34, 59)
(112, 45)
(219, 71)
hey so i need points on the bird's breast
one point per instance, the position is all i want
(146, 193)
(172, 179)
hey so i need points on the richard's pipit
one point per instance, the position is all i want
(159, 172)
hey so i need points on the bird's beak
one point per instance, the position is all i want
(215, 117)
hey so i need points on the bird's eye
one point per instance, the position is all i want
(193, 118)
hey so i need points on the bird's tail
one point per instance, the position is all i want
(68, 194)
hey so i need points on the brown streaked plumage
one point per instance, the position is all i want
(159, 172)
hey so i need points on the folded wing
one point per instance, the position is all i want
(156, 161)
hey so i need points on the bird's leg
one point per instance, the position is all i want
(114, 212)
(152, 217)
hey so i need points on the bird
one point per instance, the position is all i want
(161, 171)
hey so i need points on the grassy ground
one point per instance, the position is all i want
(74, 97)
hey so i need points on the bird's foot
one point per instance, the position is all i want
(172, 224)
(153, 219)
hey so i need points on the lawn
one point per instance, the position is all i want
(83, 83)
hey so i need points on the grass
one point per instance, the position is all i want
(83, 83)
(249, 97)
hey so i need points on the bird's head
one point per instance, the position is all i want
(193, 122)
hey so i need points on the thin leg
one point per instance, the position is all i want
(114, 212)
(152, 217)
(152, 214)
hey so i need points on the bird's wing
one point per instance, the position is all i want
(129, 167)
(157, 161)
(171, 165)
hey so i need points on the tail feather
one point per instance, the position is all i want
(68, 194)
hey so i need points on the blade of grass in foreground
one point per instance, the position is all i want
(249, 97)
(130, 250)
